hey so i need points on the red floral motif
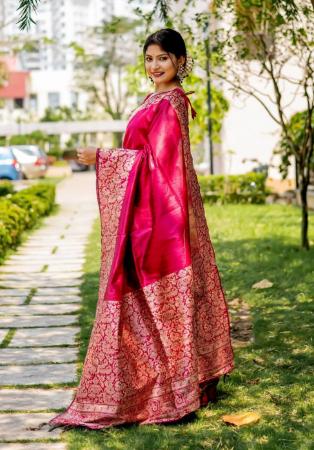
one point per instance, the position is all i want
(149, 353)
(113, 167)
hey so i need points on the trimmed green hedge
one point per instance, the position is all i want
(6, 187)
(21, 211)
(245, 188)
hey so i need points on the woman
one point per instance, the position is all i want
(161, 337)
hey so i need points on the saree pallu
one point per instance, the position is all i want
(161, 325)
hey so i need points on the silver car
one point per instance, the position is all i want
(33, 160)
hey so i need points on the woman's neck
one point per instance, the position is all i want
(167, 88)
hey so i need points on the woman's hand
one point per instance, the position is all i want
(86, 155)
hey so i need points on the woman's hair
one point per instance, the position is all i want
(169, 40)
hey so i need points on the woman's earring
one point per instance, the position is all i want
(180, 73)
(151, 79)
(185, 69)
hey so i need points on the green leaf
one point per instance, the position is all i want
(26, 8)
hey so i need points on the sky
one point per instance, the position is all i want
(122, 8)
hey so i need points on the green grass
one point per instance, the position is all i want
(274, 375)
(51, 180)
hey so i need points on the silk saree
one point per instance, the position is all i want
(161, 326)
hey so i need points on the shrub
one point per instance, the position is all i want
(6, 187)
(22, 210)
(246, 188)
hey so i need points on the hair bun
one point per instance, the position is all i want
(187, 68)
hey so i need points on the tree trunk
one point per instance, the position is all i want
(117, 139)
(305, 219)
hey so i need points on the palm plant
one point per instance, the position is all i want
(26, 9)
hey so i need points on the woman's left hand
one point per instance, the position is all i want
(86, 155)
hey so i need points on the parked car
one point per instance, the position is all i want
(10, 168)
(33, 160)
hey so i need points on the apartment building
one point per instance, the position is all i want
(49, 58)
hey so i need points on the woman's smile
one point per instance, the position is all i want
(157, 74)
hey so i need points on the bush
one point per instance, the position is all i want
(6, 187)
(21, 211)
(246, 188)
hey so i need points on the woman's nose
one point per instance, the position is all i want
(155, 65)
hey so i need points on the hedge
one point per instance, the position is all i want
(21, 211)
(245, 188)
(6, 187)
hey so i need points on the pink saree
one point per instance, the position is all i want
(161, 325)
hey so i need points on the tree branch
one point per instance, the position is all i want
(249, 92)
(26, 8)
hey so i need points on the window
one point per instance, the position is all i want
(74, 99)
(5, 153)
(53, 99)
(33, 102)
(18, 103)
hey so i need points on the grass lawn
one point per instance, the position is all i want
(273, 375)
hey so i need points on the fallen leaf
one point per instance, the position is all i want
(241, 419)
(254, 381)
(234, 302)
(259, 361)
(236, 343)
(263, 284)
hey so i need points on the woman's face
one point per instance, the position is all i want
(159, 66)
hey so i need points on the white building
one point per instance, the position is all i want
(50, 66)
(58, 23)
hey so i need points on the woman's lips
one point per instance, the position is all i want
(158, 74)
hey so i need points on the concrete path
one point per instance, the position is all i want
(39, 303)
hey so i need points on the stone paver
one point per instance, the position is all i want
(2, 335)
(37, 374)
(40, 283)
(63, 308)
(42, 276)
(58, 291)
(39, 337)
(34, 399)
(37, 252)
(23, 426)
(18, 268)
(37, 355)
(43, 350)
(14, 292)
(38, 259)
(12, 300)
(55, 299)
(37, 321)
(64, 268)
(34, 446)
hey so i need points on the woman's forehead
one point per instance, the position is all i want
(155, 50)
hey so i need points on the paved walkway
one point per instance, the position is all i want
(39, 302)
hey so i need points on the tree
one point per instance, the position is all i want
(297, 128)
(108, 51)
(272, 41)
